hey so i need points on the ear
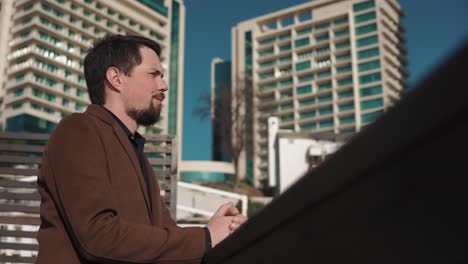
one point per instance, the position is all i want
(113, 77)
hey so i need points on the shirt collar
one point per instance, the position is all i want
(137, 138)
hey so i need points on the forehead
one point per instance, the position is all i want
(149, 58)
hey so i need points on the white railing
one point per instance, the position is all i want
(194, 199)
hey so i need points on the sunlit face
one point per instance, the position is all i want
(144, 89)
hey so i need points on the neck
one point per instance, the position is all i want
(129, 122)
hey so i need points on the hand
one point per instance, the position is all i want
(237, 221)
(219, 223)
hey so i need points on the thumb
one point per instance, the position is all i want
(224, 209)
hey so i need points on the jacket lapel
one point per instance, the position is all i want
(123, 139)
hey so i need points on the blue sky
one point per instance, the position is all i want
(434, 29)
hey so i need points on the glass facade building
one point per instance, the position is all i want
(220, 87)
(322, 66)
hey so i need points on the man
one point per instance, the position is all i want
(100, 200)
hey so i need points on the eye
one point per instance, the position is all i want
(157, 73)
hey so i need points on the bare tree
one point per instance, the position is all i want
(228, 114)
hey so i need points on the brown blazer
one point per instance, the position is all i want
(95, 206)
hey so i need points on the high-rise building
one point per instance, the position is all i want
(221, 109)
(43, 44)
(325, 66)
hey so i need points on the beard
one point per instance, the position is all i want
(145, 117)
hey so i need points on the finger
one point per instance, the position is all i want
(239, 219)
(233, 211)
(224, 209)
(233, 226)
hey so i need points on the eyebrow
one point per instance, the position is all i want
(153, 69)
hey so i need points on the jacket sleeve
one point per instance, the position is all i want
(76, 163)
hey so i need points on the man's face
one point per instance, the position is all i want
(144, 89)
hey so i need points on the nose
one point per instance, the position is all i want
(162, 86)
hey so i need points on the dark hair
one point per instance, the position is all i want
(122, 52)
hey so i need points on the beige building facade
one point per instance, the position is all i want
(43, 44)
(325, 66)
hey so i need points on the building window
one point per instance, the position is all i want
(346, 107)
(309, 126)
(325, 86)
(286, 106)
(18, 105)
(347, 120)
(341, 21)
(366, 29)
(322, 26)
(287, 118)
(37, 93)
(19, 92)
(363, 6)
(374, 103)
(342, 45)
(371, 65)
(286, 94)
(303, 65)
(374, 77)
(19, 77)
(301, 42)
(35, 106)
(344, 82)
(303, 31)
(50, 97)
(343, 57)
(25, 34)
(342, 33)
(323, 74)
(344, 69)
(28, 7)
(326, 123)
(369, 117)
(325, 98)
(326, 111)
(369, 91)
(367, 41)
(363, 54)
(322, 37)
(79, 93)
(26, 20)
(286, 82)
(285, 47)
(308, 114)
(345, 94)
(365, 17)
(304, 89)
(307, 102)
(306, 78)
(79, 107)
(49, 110)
